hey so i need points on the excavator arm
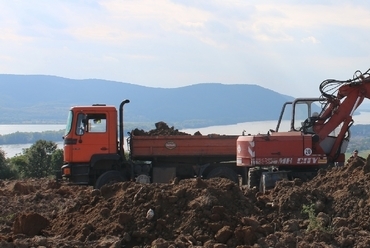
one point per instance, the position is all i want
(339, 109)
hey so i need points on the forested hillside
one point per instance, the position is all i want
(46, 99)
(360, 138)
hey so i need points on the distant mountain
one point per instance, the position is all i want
(46, 99)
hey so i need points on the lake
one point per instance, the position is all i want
(235, 129)
(13, 128)
(12, 150)
(263, 126)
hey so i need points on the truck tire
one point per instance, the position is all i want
(108, 178)
(254, 177)
(223, 172)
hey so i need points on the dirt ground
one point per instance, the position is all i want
(332, 210)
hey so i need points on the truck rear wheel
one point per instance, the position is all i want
(109, 177)
(223, 172)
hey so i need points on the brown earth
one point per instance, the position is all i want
(332, 210)
(161, 128)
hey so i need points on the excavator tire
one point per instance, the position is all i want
(109, 177)
(254, 177)
(223, 172)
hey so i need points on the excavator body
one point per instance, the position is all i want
(317, 136)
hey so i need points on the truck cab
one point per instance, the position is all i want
(91, 144)
(90, 130)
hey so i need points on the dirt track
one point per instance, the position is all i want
(190, 213)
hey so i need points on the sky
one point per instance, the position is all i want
(286, 46)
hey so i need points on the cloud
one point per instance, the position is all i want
(183, 42)
(310, 39)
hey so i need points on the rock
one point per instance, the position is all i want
(30, 224)
(223, 234)
(245, 235)
(339, 222)
(160, 243)
(319, 206)
(291, 226)
(323, 218)
(366, 167)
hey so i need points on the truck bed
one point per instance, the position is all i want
(208, 148)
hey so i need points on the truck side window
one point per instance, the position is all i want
(96, 123)
(80, 127)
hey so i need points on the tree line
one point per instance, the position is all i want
(31, 137)
(42, 159)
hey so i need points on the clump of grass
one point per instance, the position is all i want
(314, 222)
(7, 218)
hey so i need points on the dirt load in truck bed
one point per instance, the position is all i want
(164, 142)
(332, 210)
(161, 128)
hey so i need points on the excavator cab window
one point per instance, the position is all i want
(300, 113)
(305, 113)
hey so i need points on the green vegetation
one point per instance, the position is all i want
(360, 140)
(6, 218)
(31, 137)
(314, 221)
(362, 144)
(5, 170)
(42, 159)
(314, 224)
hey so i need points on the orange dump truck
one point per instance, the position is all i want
(93, 156)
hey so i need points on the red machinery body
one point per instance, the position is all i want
(285, 148)
(319, 141)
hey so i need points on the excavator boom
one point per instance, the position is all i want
(341, 108)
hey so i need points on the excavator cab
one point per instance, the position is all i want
(302, 113)
(288, 151)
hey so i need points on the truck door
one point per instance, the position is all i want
(92, 136)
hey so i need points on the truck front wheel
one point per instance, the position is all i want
(223, 172)
(109, 177)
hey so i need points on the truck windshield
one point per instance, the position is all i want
(69, 122)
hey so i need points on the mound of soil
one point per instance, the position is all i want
(332, 210)
(161, 128)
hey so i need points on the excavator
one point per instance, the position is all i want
(317, 137)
